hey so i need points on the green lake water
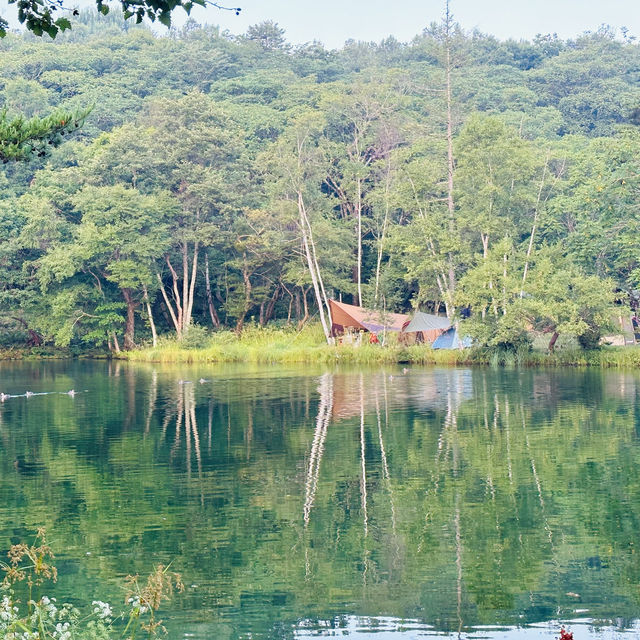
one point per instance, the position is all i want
(363, 503)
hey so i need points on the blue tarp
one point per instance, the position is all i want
(451, 339)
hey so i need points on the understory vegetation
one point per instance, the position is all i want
(249, 186)
(288, 346)
(27, 613)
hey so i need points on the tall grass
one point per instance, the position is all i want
(288, 346)
(265, 345)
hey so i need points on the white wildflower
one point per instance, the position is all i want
(7, 611)
(137, 606)
(62, 631)
(102, 609)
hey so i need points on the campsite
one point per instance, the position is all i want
(319, 320)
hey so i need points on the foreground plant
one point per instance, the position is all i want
(42, 618)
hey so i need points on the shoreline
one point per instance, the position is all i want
(605, 358)
(286, 346)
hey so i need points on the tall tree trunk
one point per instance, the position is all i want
(450, 159)
(534, 227)
(504, 284)
(485, 245)
(215, 320)
(152, 324)
(247, 295)
(185, 284)
(312, 265)
(192, 286)
(175, 318)
(552, 342)
(297, 305)
(381, 239)
(290, 294)
(176, 297)
(309, 244)
(441, 276)
(316, 264)
(181, 309)
(130, 323)
(359, 232)
(305, 305)
(271, 305)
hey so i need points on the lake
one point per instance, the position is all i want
(298, 502)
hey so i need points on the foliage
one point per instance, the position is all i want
(22, 139)
(39, 16)
(44, 619)
(260, 179)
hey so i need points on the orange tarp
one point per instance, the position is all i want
(349, 315)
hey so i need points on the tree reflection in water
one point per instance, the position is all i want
(453, 497)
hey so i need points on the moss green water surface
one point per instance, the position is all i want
(302, 502)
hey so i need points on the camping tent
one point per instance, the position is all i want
(348, 315)
(451, 339)
(426, 322)
(426, 326)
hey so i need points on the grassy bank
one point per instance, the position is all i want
(266, 345)
(287, 346)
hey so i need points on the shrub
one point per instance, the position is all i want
(197, 337)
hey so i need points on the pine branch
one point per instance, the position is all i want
(22, 139)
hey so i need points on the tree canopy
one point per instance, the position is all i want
(261, 179)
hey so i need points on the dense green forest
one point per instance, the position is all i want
(220, 180)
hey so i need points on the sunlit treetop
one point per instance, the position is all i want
(52, 16)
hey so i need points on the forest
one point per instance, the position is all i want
(212, 181)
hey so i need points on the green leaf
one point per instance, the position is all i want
(104, 9)
(165, 19)
(63, 24)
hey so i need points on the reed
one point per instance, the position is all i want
(27, 614)
(287, 346)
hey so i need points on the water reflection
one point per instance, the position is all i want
(421, 390)
(420, 501)
(325, 407)
(386, 628)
